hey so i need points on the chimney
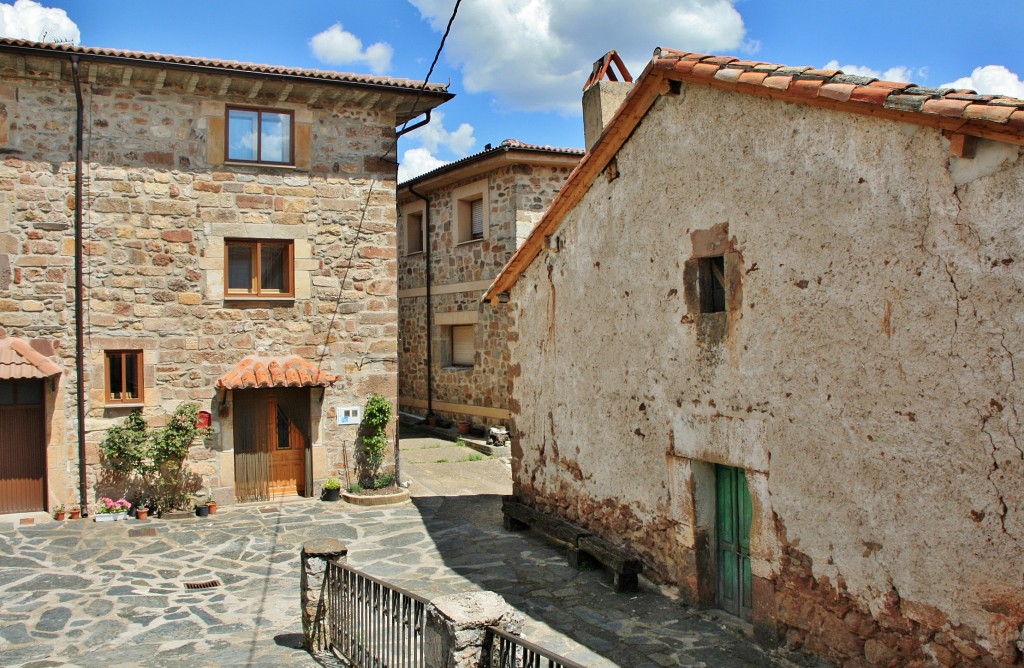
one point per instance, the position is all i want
(601, 99)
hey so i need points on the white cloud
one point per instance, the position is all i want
(991, 80)
(336, 46)
(417, 161)
(536, 54)
(26, 19)
(899, 73)
(434, 136)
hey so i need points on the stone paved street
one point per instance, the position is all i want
(113, 594)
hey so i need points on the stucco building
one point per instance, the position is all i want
(766, 337)
(458, 225)
(225, 237)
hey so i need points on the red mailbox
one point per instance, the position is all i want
(204, 420)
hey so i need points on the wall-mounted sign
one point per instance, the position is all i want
(348, 415)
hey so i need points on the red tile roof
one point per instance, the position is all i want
(264, 372)
(19, 360)
(504, 147)
(209, 63)
(957, 113)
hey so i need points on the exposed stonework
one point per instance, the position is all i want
(519, 185)
(862, 373)
(159, 203)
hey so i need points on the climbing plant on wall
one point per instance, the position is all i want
(374, 442)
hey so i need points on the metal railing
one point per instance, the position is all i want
(372, 623)
(504, 650)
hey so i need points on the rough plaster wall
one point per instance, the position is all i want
(873, 356)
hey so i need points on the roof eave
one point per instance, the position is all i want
(487, 161)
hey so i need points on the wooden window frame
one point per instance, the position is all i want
(259, 135)
(713, 287)
(109, 399)
(256, 290)
(465, 197)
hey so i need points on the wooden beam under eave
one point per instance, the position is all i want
(126, 77)
(285, 93)
(224, 86)
(960, 145)
(158, 83)
(255, 90)
(193, 81)
(315, 96)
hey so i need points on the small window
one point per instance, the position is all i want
(260, 136)
(711, 272)
(124, 377)
(463, 349)
(471, 218)
(21, 392)
(414, 233)
(258, 268)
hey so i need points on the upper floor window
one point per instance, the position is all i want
(414, 233)
(471, 212)
(260, 135)
(259, 268)
(124, 377)
(463, 346)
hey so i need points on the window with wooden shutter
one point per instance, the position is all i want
(477, 219)
(463, 350)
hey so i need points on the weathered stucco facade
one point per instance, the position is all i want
(862, 373)
(160, 201)
(516, 183)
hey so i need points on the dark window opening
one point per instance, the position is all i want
(712, 284)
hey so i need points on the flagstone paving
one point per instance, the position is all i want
(80, 593)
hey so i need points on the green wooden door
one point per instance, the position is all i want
(734, 513)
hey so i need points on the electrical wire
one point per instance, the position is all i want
(369, 192)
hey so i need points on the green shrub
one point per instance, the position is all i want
(332, 483)
(373, 439)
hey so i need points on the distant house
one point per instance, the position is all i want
(768, 338)
(233, 228)
(458, 225)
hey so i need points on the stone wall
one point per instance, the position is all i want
(517, 197)
(863, 373)
(156, 213)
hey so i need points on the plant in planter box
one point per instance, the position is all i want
(108, 509)
(373, 442)
(332, 489)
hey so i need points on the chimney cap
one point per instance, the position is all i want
(602, 67)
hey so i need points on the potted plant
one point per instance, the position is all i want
(141, 513)
(108, 510)
(463, 427)
(212, 505)
(76, 512)
(59, 513)
(332, 489)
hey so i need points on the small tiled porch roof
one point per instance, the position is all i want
(18, 360)
(266, 372)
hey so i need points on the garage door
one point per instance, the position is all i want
(22, 447)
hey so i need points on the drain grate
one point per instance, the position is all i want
(205, 584)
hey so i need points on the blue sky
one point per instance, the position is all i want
(517, 66)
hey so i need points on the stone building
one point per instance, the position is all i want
(234, 227)
(459, 224)
(766, 338)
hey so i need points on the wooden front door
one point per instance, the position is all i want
(733, 512)
(272, 430)
(22, 446)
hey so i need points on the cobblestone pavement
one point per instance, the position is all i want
(80, 593)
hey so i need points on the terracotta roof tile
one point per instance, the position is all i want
(729, 74)
(988, 112)
(266, 372)
(232, 65)
(836, 91)
(778, 82)
(906, 102)
(19, 360)
(895, 85)
(504, 146)
(869, 94)
(753, 78)
(705, 69)
(945, 107)
(806, 87)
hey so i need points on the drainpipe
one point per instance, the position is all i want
(83, 484)
(430, 315)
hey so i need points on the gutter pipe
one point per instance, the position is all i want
(79, 291)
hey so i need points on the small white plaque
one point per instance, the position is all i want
(348, 414)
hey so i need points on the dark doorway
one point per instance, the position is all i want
(272, 443)
(22, 446)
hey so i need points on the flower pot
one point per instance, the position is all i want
(212, 505)
(463, 427)
(431, 421)
(202, 511)
(110, 517)
(332, 494)
(76, 513)
(141, 513)
(59, 516)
